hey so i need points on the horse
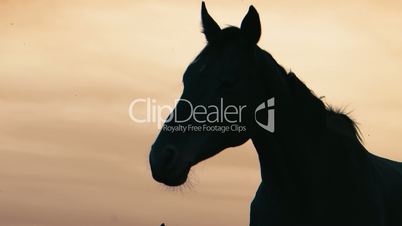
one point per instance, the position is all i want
(315, 169)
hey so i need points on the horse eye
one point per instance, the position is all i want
(226, 85)
(203, 67)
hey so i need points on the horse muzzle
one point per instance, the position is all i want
(167, 166)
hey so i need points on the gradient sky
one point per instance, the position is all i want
(69, 154)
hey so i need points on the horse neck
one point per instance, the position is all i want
(285, 155)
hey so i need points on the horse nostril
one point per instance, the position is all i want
(169, 156)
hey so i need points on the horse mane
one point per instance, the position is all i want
(340, 114)
(336, 119)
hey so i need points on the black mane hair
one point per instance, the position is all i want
(336, 119)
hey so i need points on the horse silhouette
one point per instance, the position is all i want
(314, 168)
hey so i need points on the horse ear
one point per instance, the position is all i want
(210, 28)
(251, 25)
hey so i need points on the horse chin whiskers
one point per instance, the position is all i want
(191, 181)
(188, 185)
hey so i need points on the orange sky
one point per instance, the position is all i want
(69, 154)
